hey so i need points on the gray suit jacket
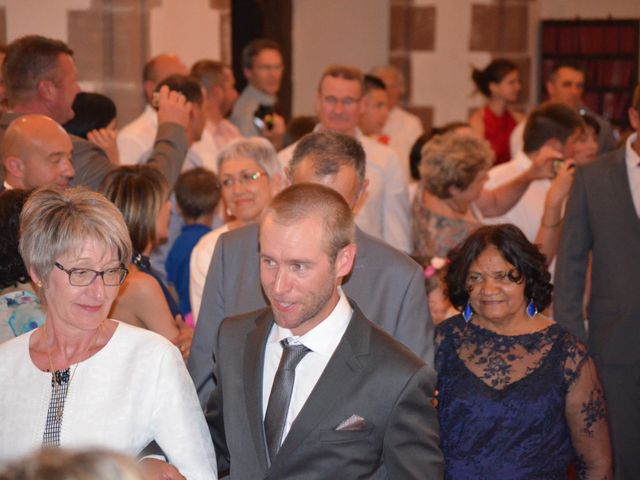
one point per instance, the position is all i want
(385, 282)
(92, 164)
(370, 375)
(600, 217)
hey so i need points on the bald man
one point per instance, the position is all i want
(135, 140)
(36, 151)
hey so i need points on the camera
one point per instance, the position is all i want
(263, 117)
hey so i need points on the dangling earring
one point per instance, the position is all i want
(467, 312)
(532, 311)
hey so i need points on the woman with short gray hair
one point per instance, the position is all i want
(83, 379)
(250, 175)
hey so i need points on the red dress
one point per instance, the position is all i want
(497, 130)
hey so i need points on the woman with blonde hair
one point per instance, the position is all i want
(83, 379)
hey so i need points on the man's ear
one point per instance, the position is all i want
(14, 166)
(46, 89)
(634, 118)
(551, 88)
(148, 86)
(554, 143)
(345, 260)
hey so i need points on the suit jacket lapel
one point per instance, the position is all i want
(621, 190)
(343, 369)
(253, 369)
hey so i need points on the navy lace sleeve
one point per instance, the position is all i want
(586, 412)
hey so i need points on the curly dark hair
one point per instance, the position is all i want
(515, 249)
(12, 268)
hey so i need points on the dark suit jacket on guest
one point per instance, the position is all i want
(91, 163)
(601, 217)
(369, 375)
(386, 282)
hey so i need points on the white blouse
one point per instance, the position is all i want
(135, 390)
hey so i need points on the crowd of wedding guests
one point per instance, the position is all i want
(338, 296)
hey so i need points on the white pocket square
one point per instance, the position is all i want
(352, 424)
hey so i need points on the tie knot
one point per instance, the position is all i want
(292, 354)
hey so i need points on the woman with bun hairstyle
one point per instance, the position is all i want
(499, 82)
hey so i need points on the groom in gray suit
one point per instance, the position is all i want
(385, 282)
(309, 388)
(602, 218)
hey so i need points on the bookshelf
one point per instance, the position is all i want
(607, 50)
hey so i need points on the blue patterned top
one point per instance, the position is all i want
(20, 312)
(517, 407)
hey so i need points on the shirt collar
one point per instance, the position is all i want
(325, 336)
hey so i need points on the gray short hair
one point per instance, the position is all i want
(329, 151)
(255, 148)
(55, 222)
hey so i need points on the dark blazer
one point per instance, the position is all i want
(600, 217)
(386, 282)
(92, 164)
(370, 375)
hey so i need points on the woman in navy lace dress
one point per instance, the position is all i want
(519, 397)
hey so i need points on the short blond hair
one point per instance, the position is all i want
(453, 160)
(307, 200)
(55, 222)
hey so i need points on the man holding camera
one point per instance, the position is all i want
(253, 112)
(550, 133)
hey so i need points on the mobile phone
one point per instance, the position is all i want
(557, 164)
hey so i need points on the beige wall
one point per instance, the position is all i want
(354, 32)
(192, 33)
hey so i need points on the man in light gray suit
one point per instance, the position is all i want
(602, 218)
(386, 283)
(309, 388)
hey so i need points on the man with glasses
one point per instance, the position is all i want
(253, 112)
(384, 209)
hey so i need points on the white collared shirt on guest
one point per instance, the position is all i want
(322, 340)
(633, 171)
(527, 213)
(136, 140)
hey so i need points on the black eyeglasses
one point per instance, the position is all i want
(82, 277)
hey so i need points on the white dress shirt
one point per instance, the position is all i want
(135, 141)
(214, 138)
(384, 209)
(199, 263)
(633, 170)
(527, 213)
(322, 340)
(403, 129)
